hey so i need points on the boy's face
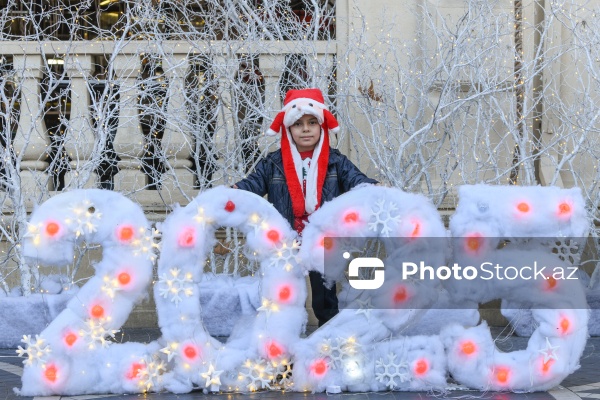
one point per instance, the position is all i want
(306, 132)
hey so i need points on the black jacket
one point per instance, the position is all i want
(269, 178)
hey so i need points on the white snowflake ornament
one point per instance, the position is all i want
(286, 255)
(260, 373)
(175, 284)
(342, 350)
(392, 370)
(84, 218)
(283, 374)
(147, 244)
(151, 374)
(96, 333)
(384, 215)
(36, 350)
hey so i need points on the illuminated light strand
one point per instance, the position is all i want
(274, 248)
(94, 330)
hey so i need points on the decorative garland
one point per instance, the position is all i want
(259, 357)
(362, 348)
(365, 347)
(526, 216)
(74, 354)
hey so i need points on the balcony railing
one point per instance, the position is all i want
(157, 124)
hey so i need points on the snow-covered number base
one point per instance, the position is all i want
(484, 216)
(257, 355)
(362, 348)
(74, 354)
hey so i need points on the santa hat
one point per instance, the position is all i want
(296, 104)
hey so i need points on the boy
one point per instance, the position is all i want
(304, 174)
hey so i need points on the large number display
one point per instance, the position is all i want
(366, 347)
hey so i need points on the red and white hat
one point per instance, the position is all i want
(296, 104)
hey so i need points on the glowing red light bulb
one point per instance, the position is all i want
(546, 366)
(326, 243)
(421, 367)
(124, 278)
(230, 206)
(134, 370)
(125, 233)
(285, 292)
(351, 218)
(274, 350)
(273, 235)
(187, 238)
(97, 311)
(52, 228)
(565, 325)
(400, 295)
(190, 352)
(473, 243)
(502, 375)
(319, 367)
(70, 339)
(468, 347)
(51, 373)
(417, 230)
(564, 209)
(523, 207)
(550, 282)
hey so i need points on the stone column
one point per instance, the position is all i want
(177, 139)
(79, 140)
(272, 66)
(31, 141)
(129, 140)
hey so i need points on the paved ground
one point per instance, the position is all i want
(584, 383)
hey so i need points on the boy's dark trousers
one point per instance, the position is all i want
(324, 300)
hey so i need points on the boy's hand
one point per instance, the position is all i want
(234, 186)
